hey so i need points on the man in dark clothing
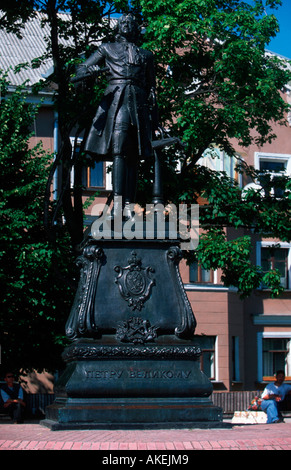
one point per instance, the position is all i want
(12, 396)
(123, 126)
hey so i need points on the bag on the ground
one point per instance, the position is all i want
(255, 404)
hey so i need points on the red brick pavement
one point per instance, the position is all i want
(33, 436)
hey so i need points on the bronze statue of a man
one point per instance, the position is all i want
(123, 126)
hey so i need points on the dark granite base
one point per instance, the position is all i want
(97, 370)
(121, 386)
(137, 413)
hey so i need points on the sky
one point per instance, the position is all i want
(281, 44)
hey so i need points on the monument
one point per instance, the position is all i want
(132, 361)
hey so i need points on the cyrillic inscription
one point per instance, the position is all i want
(138, 374)
(104, 374)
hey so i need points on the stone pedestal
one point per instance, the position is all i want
(133, 361)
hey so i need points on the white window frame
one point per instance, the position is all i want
(260, 337)
(267, 244)
(280, 157)
(215, 159)
(107, 179)
(216, 370)
(216, 367)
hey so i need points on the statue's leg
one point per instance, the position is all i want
(124, 179)
(119, 165)
(124, 176)
(118, 175)
(125, 159)
(130, 187)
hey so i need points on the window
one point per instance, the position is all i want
(276, 258)
(274, 353)
(218, 160)
(235, 359)
(200, 275)
(273, 167)
(207, 358)
(272, 170)
(93, 177)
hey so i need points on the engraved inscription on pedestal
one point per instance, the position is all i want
(138, 374)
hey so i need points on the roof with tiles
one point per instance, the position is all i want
(15, 51)
(24, 50)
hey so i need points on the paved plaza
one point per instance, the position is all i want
(34, 436)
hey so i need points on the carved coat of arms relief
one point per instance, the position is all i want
(135, 282)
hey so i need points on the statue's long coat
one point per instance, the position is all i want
(131, 77)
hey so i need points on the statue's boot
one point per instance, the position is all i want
(130, 191)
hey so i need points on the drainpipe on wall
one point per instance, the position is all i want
(56, 144)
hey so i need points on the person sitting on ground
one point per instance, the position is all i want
(12, 396)
(273, 397)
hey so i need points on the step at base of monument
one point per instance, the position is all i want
(147, 413)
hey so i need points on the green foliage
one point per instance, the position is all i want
(216, 51)
(233, 257)
(216, 86)
(14, 14)
(35, 294)
(257, 211)
(215, 251)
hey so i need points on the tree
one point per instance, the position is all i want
(14, 14)
(34, 272)
(223, 88)
(212, 63)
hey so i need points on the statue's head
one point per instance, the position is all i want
(128, 27)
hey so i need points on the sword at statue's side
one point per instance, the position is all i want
(157, 146)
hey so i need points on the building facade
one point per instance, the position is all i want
(246, 341)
